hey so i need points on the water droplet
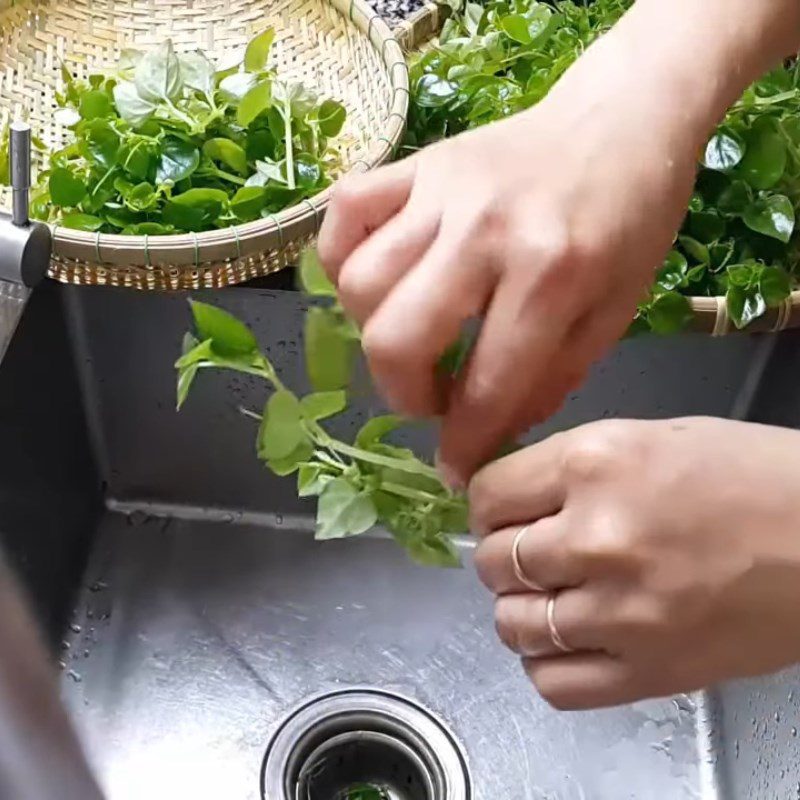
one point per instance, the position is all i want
(279, 519)
(75, 628)
(98, 586)
(74, 676)
(794, 731)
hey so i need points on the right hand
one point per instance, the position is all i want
(548, 224)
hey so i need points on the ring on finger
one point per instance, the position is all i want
(519, 572)
(555, 636)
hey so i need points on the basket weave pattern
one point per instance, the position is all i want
(343, 52)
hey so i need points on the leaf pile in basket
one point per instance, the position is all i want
(359, 484)
(171, 143)
(738, 237)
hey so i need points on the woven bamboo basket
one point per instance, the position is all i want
(341, 48)
(711, 316)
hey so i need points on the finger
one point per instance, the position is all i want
(493, 398)
(584, 680)
(521, 622)
(519, 488)
(380, 261)
(360, 205)
(421, 317)
(545, 558)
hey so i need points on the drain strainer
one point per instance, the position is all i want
(366, 744)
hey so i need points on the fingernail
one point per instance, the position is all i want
(450, 477)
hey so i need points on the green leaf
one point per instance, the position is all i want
(291, 463)
(248, 203)
(228, 336)
(255, 102)
(669, 313)
(313, 279)
(130, 106)
(374, 429)
(158, 74)
(66, 189)
(257, 53)
(744, 305)
(101, 143)
(228, 153)
(329, 350)
(724, 150)
(312, 479)
(186, 377)
(82, 222)
(734, 199)
(321, 405)
(331, 117)
(697, 250)
(434, 551)
(705, 226)
(195, 209)
(772, 216)
(234, 87)
(765, 159)
(515, 26)
(281, 431)
(141, 197)
(344, 511)
(434, 92)
(673, 272)
(95, 104)
(198, 72)
(774, 285)
(178, 161)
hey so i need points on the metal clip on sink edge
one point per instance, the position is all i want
(25, 246)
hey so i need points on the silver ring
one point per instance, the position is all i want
(515, 560)
(555, 636)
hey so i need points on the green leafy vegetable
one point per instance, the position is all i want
(503, 56)
(170, 142)
(358, 485)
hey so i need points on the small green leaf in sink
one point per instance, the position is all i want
(358, 485)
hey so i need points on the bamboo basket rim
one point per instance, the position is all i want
(108, 251)
(710, 314)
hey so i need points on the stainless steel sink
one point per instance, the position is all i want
(206, 614)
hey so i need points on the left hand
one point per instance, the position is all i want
(668, 553)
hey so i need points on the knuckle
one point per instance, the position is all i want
(505, 625)
(351, 193)
(485, 565)
(597, 451)
(608, 539)
(352, 285)
(384, 348)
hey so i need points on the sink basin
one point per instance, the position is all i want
(193, 613)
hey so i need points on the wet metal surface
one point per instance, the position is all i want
(193, 639)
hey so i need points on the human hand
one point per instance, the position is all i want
(669, 551)
(549, 225)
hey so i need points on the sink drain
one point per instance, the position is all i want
(363, 745)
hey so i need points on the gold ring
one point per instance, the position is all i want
(555, 636)
(515, 560)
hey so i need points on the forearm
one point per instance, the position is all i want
(680, 64)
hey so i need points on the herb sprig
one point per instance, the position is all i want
(359, 485)
(739, 236)
(172, 143)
